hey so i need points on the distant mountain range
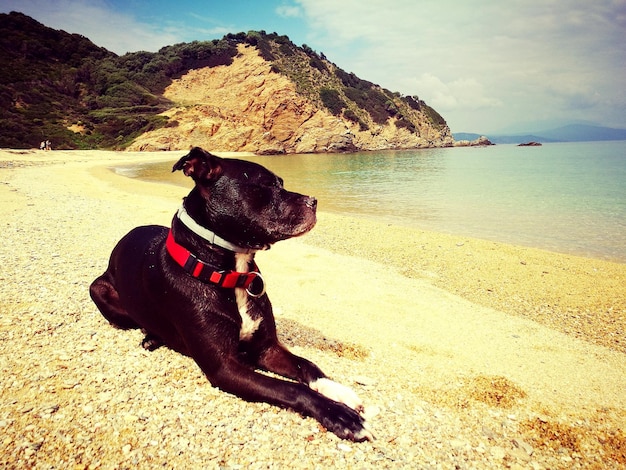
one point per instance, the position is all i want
(569, 133)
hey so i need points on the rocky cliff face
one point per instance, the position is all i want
(248, 107)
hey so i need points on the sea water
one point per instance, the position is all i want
(564, 197)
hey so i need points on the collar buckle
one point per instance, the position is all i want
(256, 287)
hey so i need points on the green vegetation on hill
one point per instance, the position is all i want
(342, 93)
(52, 81)
(42, 76)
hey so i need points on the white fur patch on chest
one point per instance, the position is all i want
(248, 324)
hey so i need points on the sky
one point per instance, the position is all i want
(487, 66)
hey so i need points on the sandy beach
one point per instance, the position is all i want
(467, 353)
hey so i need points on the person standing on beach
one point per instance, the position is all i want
(48, 145)
(42, 145)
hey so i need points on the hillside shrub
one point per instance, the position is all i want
(287, 49)
(373, 101)
(406, 124)
(332, 100)
(413, 102)
(318, 64)
(352, 116)
(435, 118)
(391, 108)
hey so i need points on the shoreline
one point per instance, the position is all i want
(466, 352)
(538, 238)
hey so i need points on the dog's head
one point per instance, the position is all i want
(244, 202)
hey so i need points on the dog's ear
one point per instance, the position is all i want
(200, 165)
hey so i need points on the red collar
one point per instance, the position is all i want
(206, 273)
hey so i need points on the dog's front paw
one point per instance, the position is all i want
(337, 392)
(345, 423)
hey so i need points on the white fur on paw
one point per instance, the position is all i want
(365, 433)
(337, 392)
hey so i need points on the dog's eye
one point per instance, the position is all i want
(273, 183)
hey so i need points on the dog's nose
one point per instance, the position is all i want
(310, 202)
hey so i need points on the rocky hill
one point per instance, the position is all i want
(253, 92)
(245, 106)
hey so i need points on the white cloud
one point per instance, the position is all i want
(288, 11)
(471, 94)
(460, 94)
(96, 20)
(500, 59)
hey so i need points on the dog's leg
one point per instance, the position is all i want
(266, 352)
(238, 379)
(281, 361)
(224, 370)
(105, 296)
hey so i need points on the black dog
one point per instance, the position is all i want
(196, 289)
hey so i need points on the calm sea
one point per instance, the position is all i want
(565, 197)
